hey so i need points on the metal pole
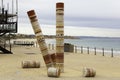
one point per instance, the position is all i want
(12, 6)
(2, 3)
(88, 50)
(16, 6)
(75, 49)
(8, 7)
(52, 46)
(103, 51)
(95, 50)
(81, 49)
(49, 46)
(112, 52)
(9, 42)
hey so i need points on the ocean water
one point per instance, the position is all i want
(99, 43)
(91, 42)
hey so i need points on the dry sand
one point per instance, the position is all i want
(10, 66)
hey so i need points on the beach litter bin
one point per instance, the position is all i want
(68, 47)
(89, 72)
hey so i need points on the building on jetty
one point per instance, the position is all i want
(8, 23)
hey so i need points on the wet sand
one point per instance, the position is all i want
(107, 68)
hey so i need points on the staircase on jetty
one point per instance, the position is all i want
(8, 25)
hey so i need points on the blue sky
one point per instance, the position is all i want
(102, 15)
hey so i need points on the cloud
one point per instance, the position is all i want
(82, 8)
(93, 13)
(88, 13)
(72, 30)
(94, 22)
(93, 8)
(87, 31)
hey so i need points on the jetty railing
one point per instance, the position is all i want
(96, 51)
(77, 49)
(89, 50)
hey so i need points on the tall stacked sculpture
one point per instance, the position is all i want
(54, 62)
(49, 59)
(40, 38)
(60, 36)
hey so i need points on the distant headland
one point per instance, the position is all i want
(21, 36)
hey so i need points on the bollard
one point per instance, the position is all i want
(60, 36)
(89, 72)
(30, 64)
(53, 72)
(40, 38)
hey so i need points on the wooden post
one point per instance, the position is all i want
(60, 36)
(95, 50)
(40, 38)
(103, 51)
(112, 52)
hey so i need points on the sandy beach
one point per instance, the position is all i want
(107, 68)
